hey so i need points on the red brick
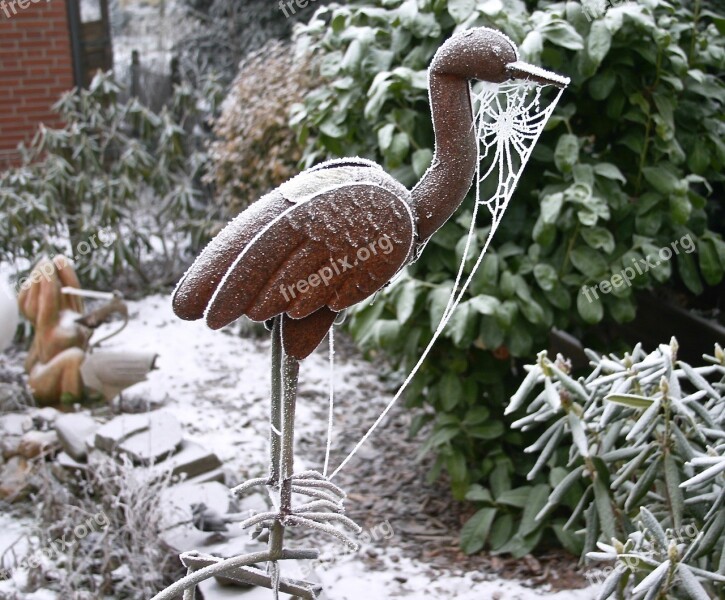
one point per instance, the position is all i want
(10, 35)
(36, 70)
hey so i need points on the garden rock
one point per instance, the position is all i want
(73, 430)
(110, 435)
(9, 445)
(12, 396)
(45, 418)
(177, 501)
(35, 443)
(15, 424)
(191, 460)
(156, 442)
(15, 479)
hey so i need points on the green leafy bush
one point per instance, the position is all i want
(646, 436)
(622, 170)
(115, 167)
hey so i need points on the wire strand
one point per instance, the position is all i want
(331, 414)
(504, 192)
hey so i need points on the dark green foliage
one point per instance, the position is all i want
(624, 169)
(117, 168)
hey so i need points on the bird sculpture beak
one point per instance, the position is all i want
(522, 70)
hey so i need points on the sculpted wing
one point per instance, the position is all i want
(333, 250)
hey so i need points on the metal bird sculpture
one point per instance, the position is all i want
(313, 228)
(322, 242)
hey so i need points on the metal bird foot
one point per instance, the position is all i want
(311, 479)
(325, 509)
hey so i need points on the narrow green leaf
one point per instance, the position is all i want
(548, 450)
(604, 508)
(610, 584)
(648, 416)
(654, 580)
(630, 468)
(672, 479)
(643, 485)
(524, 390)
(630, 400)
(560, 491)
(578, 434)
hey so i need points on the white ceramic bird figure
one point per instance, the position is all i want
(8, 315)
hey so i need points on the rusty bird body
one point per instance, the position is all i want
(335, 234)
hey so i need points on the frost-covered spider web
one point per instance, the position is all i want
(509, 119)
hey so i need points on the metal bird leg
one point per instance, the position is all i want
(325, 507)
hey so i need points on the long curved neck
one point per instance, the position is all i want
(441, 190)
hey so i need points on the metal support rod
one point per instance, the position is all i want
(290, 373)
(276, 404)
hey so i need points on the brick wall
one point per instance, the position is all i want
(35, 69)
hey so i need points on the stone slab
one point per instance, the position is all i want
(177, 500)
(113, 433)
(34, 443)
(15, 424)
(191, 459)
(72, 430)
(216, 475)
(159, 440)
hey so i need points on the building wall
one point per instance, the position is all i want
(35, 69)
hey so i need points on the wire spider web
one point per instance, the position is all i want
(508, 120)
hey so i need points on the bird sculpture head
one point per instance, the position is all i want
(485, 54)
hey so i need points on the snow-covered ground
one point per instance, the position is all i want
(216, 383)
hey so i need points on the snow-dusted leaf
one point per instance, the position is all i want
(645, 420)
(578, 434)
(654, 580)
(552, 395)
(524, 390)
(610, 583)
(653, 526)
(690, 584)
(706, 475)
